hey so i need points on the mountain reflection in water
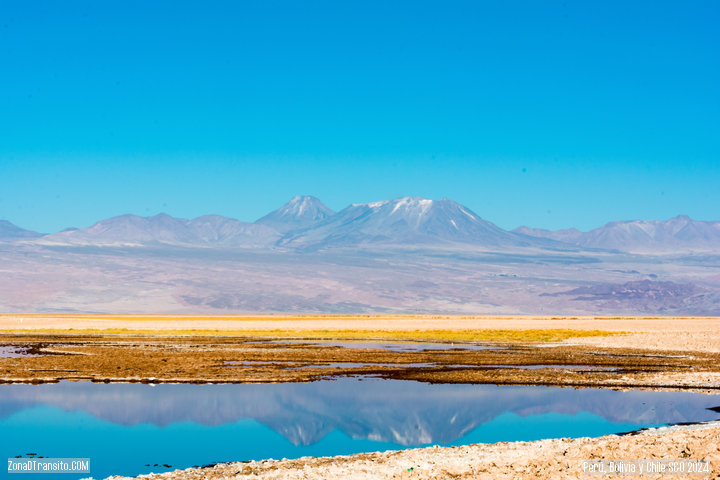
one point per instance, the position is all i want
(320, 418)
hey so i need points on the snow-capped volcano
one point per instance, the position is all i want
(300, 212)
(405, 221)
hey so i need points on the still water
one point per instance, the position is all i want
(130, 428)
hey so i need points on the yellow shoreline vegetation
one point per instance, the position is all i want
(477, 335)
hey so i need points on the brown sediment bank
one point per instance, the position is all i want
(616, 352)
(544, 459)
(229, 359)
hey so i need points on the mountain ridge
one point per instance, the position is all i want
(679, 233)
(305, 223)
(133, 230)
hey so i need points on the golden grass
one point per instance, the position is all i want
(490, 335)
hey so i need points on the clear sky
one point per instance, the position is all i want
(545, 113)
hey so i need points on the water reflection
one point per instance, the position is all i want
(11, 351)
(397, 347)
(236, 422)
(367, 408)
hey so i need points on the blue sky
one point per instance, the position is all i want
(550, 114)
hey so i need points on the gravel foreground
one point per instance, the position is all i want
(543, 459)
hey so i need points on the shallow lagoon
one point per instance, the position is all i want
(123, 428)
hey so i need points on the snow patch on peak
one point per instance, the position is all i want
(408, 202)
(472, 217)
(299, 204)
(302, 206)
(299, 212)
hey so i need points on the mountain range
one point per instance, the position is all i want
(677, 234)
(408, 255)
(305, 223)
(132, 230)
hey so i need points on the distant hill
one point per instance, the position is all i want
(132, 230)
(648, 296)
(677, 234)
(10, 232)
